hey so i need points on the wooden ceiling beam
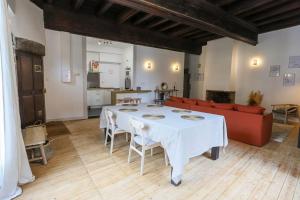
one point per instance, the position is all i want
(182, 31)
(294, 21)
(142, 19)
(125, 16)
(222, 2)
(173, 25)
(190, 33)
(208, 38)
(279, 17)
(88, 25)
(276, 11)
(243, 6)
(157, 23)
(262, 8)
(104, 8)
(199, 14)
(77, 4)
(204, 34)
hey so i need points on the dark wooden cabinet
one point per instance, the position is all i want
(30, 73)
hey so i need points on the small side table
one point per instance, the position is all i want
(35, 140)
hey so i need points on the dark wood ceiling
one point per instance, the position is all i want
(183, 25)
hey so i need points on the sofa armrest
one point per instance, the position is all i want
(266, 128)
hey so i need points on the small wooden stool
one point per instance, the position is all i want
(34, 140)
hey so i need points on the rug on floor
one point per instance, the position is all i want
(57, 128)
(281, 131)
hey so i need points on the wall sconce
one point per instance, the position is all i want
(148, 65)
(176, 67)
(255, 62)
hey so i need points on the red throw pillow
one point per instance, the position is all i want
(224, 106)
(189, 101)
(176, 99)
(204, 103)
(250, 109)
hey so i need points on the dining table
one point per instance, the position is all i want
(183, 134)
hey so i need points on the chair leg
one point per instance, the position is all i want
(106, 137)
(142, 161)
(43, 154)
(129, 154)
(166, 158)
(126, 137)
(112, 143)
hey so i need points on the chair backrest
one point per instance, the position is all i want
(136, 128)
(106, 119)
(111, 121)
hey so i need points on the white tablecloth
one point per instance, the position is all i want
(181, 138)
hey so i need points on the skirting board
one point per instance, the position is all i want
(67, 119)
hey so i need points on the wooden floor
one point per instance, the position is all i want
(83, 169)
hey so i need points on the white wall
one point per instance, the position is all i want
(28, 21)
(274, 48)
(64, 100)
(227, 66)
(217, 65)
(162, 68)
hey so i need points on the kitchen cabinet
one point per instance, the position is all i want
(110, 57)
(98, 97)
(110, 75)
(107, 97)
(109, 66)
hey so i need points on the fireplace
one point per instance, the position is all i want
(219, 96)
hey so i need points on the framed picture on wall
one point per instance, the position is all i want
(289, 79)
(294, 62)
(274, 71)
(94, 66)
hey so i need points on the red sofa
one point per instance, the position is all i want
(246, 124)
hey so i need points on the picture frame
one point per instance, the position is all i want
(274, 71)
(294, 62)
(289, 79)
(94, 66)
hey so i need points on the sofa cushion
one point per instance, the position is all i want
(204, 103)
(250, 109)
(224, 106)
(190, 101)
(176, 99)
(178, 105)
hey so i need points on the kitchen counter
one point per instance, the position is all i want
(101, 88)
(131, 91)
(117, 94)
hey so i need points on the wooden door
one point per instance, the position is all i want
(30, 88)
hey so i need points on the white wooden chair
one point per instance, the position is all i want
(112, 129)
(138, 138)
